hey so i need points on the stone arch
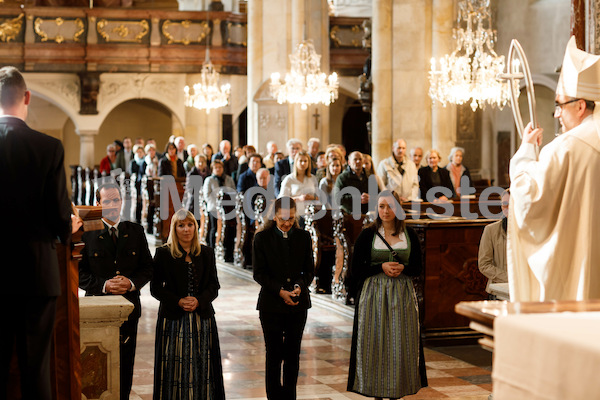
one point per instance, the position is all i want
(62, 90)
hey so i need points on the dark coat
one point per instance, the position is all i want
(171, 279)
(282, 168)
(36, 208)
(139, 171)
(246, 180)
(230, 166)
(349, 178)
(165, 168)
(102, 261)
(425, 182)
(279, 265)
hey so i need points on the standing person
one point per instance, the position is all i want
(398, 173)
(116, 261)
(269, 159)
(185, 282)
(457, 169)
(370, 170)
(386, 358)
(230, 163)
(434, 177)
(190, 162)
(36, 211)
(313, 146)
(109, 162)
(283, 266)
(138, 167)
(284, 167)
(334, 169)
(210, 189)
(554, 220)
(416, 155)
(152, 160)
(125, 155)
(170, 164)
(492, 249)
(353, 176)
(182, 153)
(300, 185)
(208, 151)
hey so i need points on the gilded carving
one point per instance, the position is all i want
(185, 32)
(123, 31)
(53, 29)
(237, 34)
(346, 36)
(10, 28)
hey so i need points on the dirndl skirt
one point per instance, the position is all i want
(387, 353)
(187, 360)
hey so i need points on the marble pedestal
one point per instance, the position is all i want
(100, 319)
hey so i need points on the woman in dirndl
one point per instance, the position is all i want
(187, 360)
(386, 359)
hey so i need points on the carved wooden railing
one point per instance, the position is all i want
(241, 231)
(220, 239)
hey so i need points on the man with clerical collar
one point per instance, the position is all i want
(554, 219)
(116, 261)
(353, 176)
(283, 266)
(398, 174)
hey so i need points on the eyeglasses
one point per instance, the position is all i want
(558, 106)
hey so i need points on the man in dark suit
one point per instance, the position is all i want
(283, 266)
(230, 162)
(284, 167)
(116, 261)
(36, 211)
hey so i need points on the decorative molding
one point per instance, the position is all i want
(237, 34)
(123, 31)
(59, 30)
(267, 119)
(346, 36)
(185, 32)
(11, 28)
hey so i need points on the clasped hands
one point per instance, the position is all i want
(189, 303)
(286, 295)
(392, 269)
(118, 285)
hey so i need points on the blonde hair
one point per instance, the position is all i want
(431, 152)
(308, 169)
(173, 241)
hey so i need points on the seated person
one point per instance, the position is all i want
(301, 185)
(170, 164)
(457, 169)
(248, 178)
(109, 162)
(492, 249)
(434, 177)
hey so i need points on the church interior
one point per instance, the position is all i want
(103, 70)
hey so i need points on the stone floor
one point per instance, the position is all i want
(325, 350)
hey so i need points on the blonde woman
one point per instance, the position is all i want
(187, 362)
(434, 177)
(300, 185)
(370, 170)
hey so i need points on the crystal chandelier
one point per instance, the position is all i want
(471, 71)
(305, 84)
(207, 93)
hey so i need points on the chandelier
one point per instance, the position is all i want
(471, 71)
(207, 93)
(305, 84)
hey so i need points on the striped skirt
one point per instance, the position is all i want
(187, 360)
(387, 352)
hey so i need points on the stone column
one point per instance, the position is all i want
(254, 66)
(299, 117)
(443, 124)
(381, 72)
(86, 151)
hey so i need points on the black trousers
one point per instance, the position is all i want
(30, 324)
(128, 340)
(283, 337)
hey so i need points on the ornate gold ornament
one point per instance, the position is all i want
(59, 37)
(346, 36)
(10, 28)
(122, 31)
(241, 28)
(180, 32)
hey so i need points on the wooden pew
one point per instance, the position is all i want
(323, 245)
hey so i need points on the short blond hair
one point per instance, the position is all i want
(173, 241)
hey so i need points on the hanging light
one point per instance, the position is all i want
(471, 71)
(207, 95)
(305, 84)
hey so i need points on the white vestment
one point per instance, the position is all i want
(407, 184)
(554, 220)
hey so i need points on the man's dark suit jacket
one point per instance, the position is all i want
(230, 166)
(246, 181)
(101, 261)
(282, 168)
(170, 282)
(274, 269)
(35, 208)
